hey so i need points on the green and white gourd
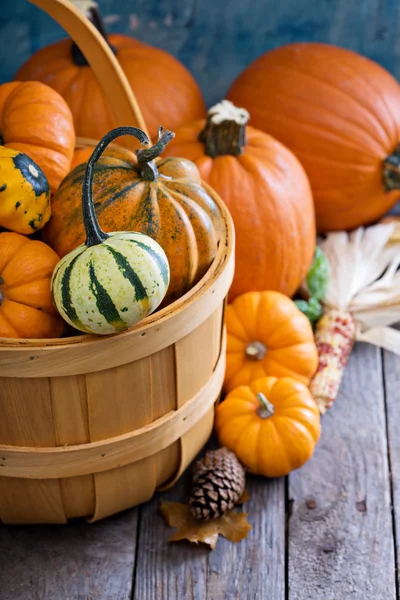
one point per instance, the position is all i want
(115, 279)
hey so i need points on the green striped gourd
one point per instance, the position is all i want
(113, 280)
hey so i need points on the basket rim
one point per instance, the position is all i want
(223, 257)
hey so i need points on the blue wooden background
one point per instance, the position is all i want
(216, 39)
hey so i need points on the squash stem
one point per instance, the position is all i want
(391, 170)
(266, 409)
(94, 234)
(225, 130)
(148, 169)
(255, 351)
(92, 12)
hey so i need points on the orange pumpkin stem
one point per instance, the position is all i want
(94, 234)
(266, 409)
(255, 351)
(391, 170)
(92, 12)
(225, 130)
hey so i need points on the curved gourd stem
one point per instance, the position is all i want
(148, 169)
(94, 233)
(391, 171)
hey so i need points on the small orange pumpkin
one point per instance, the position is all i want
(272, 425)
(36, 120)
(268, 335)
(26, 305)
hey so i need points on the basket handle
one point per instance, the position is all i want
(105, 66)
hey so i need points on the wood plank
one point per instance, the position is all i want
(254, 568)
(391, 364)
(340, 532)
(75, 562)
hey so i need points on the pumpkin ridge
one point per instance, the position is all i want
(378, 96)
(332, 138)
(244, 325)
(326, 83)
(346, 165)
(111, 199)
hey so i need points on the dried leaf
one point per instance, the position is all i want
(233, 526)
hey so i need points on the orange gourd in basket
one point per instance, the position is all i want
(266, 191)
(272, 425)
(163, 198)
(26, 305)
(267, 335)
(339, 113)
(163, 87)
(36, 120)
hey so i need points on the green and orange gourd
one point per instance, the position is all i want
(161, 197)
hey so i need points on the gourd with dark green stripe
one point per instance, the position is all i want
(113, 280)
(24, 193)
(161, 197)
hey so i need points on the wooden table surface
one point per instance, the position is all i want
(328, 532)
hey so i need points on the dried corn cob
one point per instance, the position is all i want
(334, 336)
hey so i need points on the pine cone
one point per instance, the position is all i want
(218, 484)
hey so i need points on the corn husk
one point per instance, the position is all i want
(362, 301)
(365, 281)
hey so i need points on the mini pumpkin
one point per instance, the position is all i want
(24, 193)
(267, 193)
(112, 280)
(162, 198)
(339, 113)
(26, 306)
(165, 90)
(35, 120)
(267, 335)
(272, 425)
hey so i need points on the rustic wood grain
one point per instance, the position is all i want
(340, 532)
(253, 569)
(74, 562)
(391, 364)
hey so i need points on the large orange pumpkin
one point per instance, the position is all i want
(268, 335)
(266, 191)
(163, 198)
(340, 114)
(36, 120)
(165, 90)
(26, 305)
(272, 425)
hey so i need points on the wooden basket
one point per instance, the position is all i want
(90, 426)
